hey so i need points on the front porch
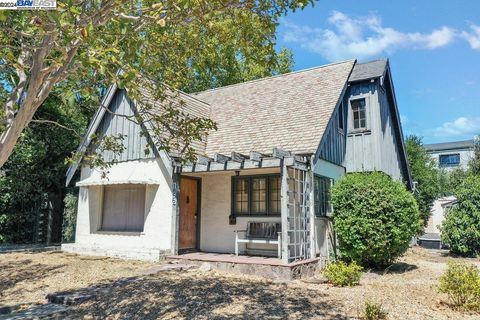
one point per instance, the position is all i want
(267, 267)
(219, 199)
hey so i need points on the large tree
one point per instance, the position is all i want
(85, 43)
(425, 173)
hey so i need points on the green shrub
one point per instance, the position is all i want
(341, 274)
(69, 217)
(461, 283)
(424, 170)
(375, 218)
(373, 311)
(461, 227)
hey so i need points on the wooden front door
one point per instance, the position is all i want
(187, 238)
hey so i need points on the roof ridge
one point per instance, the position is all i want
(374, 60)
(456, 141)
(276, 76)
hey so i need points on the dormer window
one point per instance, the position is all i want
(359, 114)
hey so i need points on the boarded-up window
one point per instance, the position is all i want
(123, 207)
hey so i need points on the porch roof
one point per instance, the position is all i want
(254, 160)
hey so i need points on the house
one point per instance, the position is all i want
(448, 156)
(451, 155)
(281, 143)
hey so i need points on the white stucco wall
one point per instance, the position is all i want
(438, 214)
(465, 157)
(156, 238)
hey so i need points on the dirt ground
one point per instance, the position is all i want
(407, 291)
(29, 277)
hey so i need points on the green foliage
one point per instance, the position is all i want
(424, 171)
(375, 218)
(189, 45)
(449, 181)
(474, 163)
(36, 169)
(373, 311)
(341, 274)
(461, 228)
(69, 216)
(461, 282)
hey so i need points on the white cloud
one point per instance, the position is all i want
(362, 37)
(462, 126)
(473, 37)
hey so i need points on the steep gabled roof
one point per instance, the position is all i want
(289, 111)
(179, 99)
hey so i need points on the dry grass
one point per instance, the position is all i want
(407, 291)
(28, 277)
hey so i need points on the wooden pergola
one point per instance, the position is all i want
(254, 160)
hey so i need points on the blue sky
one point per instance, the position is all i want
(433, 47)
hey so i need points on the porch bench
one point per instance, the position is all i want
(261, 233)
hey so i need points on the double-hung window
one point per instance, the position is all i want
(256, 195)
(359, 114)
(322, 186)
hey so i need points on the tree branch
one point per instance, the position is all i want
(56, 124)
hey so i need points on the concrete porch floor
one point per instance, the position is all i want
(268, 267)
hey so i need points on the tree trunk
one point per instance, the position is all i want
(10, 136)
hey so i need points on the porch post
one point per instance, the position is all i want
(175, 209)
(313, 236)
(284, 211)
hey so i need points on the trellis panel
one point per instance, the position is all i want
(296, 215)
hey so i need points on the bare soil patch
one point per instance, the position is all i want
(27, 277)
(406, 291)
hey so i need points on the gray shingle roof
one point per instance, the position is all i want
(368, 70)
(289, 111)
(465, 144)
(180, 101)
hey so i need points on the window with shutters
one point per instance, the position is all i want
(123, 208)
(256, 195)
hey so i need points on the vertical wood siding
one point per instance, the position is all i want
(332, 146)
(134, 141)
(376, 148)
(390, 155)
